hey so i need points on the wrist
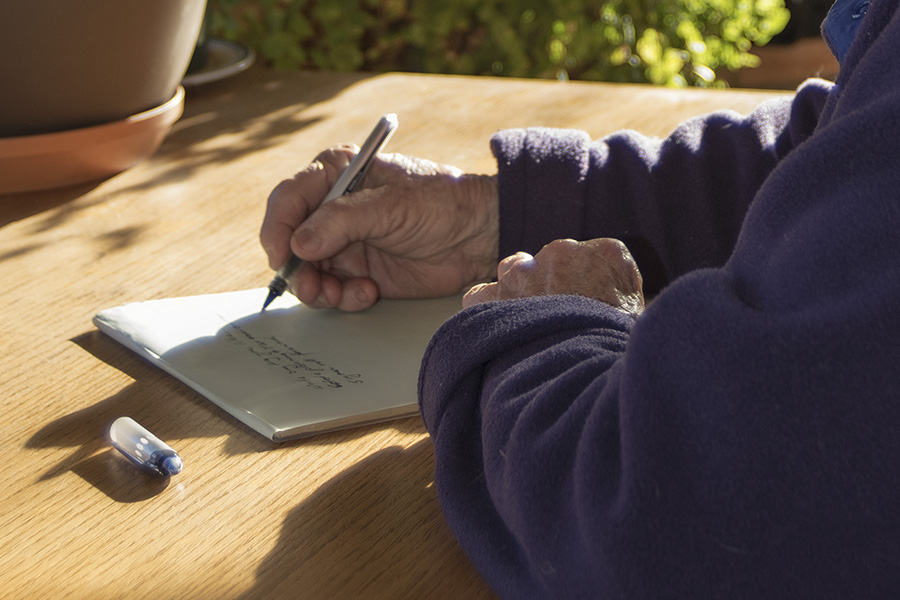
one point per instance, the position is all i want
(483, 198)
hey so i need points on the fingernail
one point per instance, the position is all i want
(307, 240)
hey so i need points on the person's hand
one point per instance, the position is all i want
(602, 268)
(414, 229)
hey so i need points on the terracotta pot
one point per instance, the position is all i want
(68, 64)
(49, 160)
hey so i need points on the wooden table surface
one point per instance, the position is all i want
(341, 515)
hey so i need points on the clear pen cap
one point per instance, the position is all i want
(143, 448)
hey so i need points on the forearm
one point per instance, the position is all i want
(581, 454)
(507, 495)
(677, 203)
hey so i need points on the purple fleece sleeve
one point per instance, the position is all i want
(677, 203)
(739, 439)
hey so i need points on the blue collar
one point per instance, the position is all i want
(841, 24)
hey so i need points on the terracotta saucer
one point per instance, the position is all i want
(51, 160)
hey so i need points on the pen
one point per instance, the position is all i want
(346, 183)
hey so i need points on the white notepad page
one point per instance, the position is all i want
(291, 371)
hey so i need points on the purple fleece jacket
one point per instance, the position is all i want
(739, 439)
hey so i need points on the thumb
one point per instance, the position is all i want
(337, 224)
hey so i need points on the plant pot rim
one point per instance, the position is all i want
(51, 160)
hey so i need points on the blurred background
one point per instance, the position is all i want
(705, 43)
(97, 91)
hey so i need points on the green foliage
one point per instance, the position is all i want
(668, 42)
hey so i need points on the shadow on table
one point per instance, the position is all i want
(23, 205)
(166, 407)
(115, 476)
(256, 109)
(390, 543)
(253, 113)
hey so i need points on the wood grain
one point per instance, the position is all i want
(348, 514)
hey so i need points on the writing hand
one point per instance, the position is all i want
(601, 268)
(413, 229)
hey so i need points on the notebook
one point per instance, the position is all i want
(290, 371)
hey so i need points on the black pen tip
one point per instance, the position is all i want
(269, 299)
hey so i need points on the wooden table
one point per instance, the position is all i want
(347, 514)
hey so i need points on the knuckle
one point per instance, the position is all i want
(516, 265)
(560, 245)
(278, 193)
(333, 160)
(508, 262)
(338, 154)
(614, 251)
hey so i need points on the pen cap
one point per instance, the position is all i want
(143, 448)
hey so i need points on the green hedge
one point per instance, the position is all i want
(667, 42)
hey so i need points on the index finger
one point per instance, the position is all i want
(293, 200)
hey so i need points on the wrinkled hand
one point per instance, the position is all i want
(414, 229)
(602, 268)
